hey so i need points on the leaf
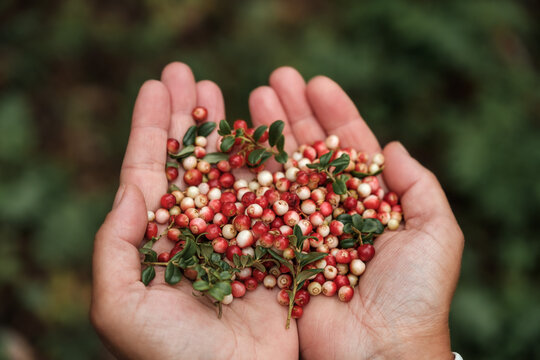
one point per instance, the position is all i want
(340, 163)
(184, 153)
(189, 137)
(259, 132)
(259, 266)
(259, 252)
(297, 231)
(339, 186)
(215, 157)
(206, 128)
(188, 251)
(275, 131)
(201, 285)
(244, 259)
(357, 221)
(311, 257)
(280, 143)
(215, 258)
(347, 228)
(171, 164)
(224, 286)
(225, 275)
(206, 250)
(325, 159)
(148, 274)
(216, 293)
(372, 226)
(172, 274)
(362, 175)
(236, 260)
(255, 156)
(306, 274)
(149, 254)
(317, 166)
(224, 128)
(347, 243)
(227, 143)
(281, 260)
(282, 157)
(344, 218)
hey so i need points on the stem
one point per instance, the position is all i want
(220, 310)
(359, 235)
(291, 299)
(154, 263)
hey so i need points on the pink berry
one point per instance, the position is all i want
(345, 293)
(199, 113)
(238, 289)
(329, 288)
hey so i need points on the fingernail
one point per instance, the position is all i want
(119, 195)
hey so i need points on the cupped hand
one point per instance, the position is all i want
(162, 321)
(400, 307)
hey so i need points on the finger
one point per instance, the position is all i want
(338, 115)
(116, 261)
(209, 96)
(265, 108)
(181, 84)
(144, 162)
(423, 200)
(290, 87)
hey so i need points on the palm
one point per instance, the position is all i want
(163, 321)
(407, 288)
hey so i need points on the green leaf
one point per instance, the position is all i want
(362, 175)
(275, 131)
(225, 275)
(347, 228)
(311, 257)
(339, 186)
(172, 274)
(280, 143)
(259, 266)
(215, 157)
(236, 261)
(340, 163)
(215, 258)
(148, 274)
(259, 252)
(149, 254)
(325, 159)
(227, 143)
(357, 221)
(317, 166)
(306, 274)
(282, 157)
(189, 137)
(372, 226)
(171, 164)
(206, 250)
(184, 153)
(347, 243)
(224, 286)
(244, 259)
(297, 231)
(255, 156)
(224, 128)
(188, 251)
(201, 285)
(216, 293)
(344, 218)
(206, 128)
(282, 260)
(259, 132)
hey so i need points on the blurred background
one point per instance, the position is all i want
(456, 81)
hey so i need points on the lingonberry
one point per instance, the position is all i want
(238, 289)
(301, 298)
(220, 245)
(193, 177)
(171, 173)
(199, 113)
(343, 256)
(345, 293)
(251, 284)
(163, 257)
(341, 280)
(283, 297)
(366, 252)
(151, 230)
(329, 288)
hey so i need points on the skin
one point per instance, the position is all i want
(400, 307)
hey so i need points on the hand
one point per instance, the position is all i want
(162, 321)
(400, 307)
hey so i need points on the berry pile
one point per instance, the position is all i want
(308, 229)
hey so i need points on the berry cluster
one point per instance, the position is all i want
(308, 229)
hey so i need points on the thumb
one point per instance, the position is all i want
(116, 261)
(423, 200)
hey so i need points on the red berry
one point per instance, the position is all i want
(231, 250)
(283, 297)
(163, 257)
(302, 297)
(151, 230)
(236, 161)
(297, 312)
(171, 172)
(238, 289)
(240, 124)
(226, 180)
(366, 252)
(341, 280)
(168, 201)
(199, 113)
(343, 257)
(193, 177)
(220, 245)
(345, 293)
(172, 146)
(251, 283)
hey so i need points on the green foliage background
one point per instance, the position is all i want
(456, 81)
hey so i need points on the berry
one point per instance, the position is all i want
(199, 113)
(366, 252)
